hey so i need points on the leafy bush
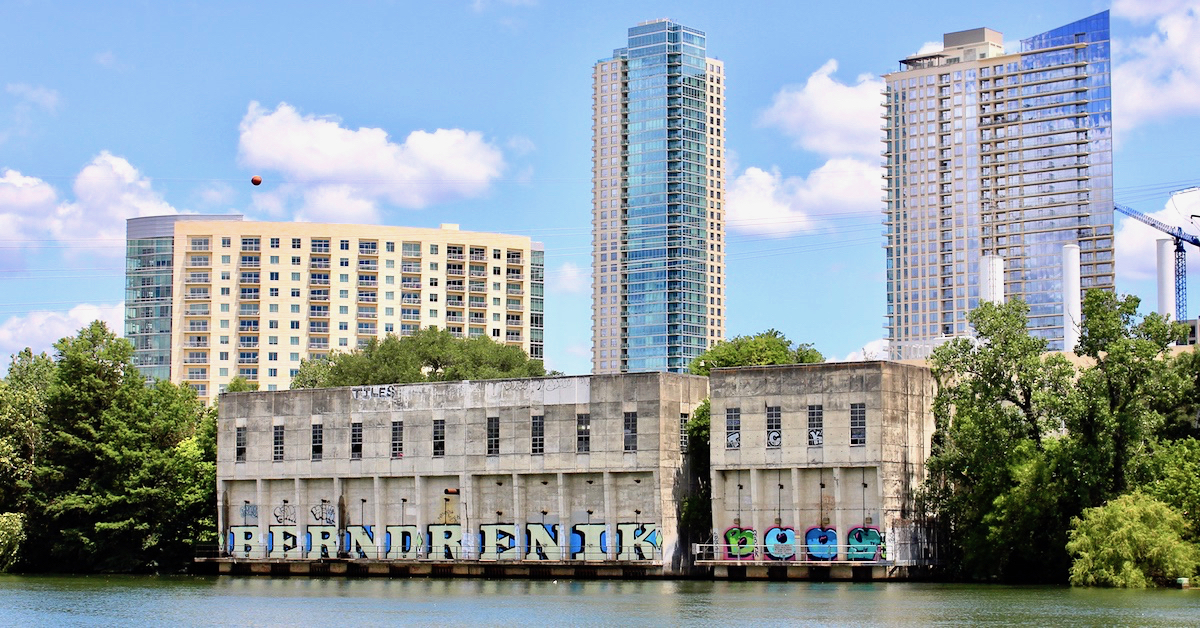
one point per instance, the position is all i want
(1133, 541)
(12, 535)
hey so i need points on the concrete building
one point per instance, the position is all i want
(814, 469)
(658, 177)
(210, 298)
(550, 476)
(999, 153)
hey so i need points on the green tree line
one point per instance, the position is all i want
(1036, 457)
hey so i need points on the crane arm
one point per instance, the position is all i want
(1175, 232)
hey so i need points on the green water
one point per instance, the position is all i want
(323, 603)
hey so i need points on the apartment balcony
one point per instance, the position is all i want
(195, 360)
(516, 307)
(196, 377)
(410, 317)
(367, 314)
(412, 285)
(478, 288)
(198, 329)
(456, 304)
(479, 273)
(515, 291)
(369, 265)
(199, 247)
(477, 320)
(456, 334)
(253, 360)
(368, 298)
(250, 377)
(455, 287)
(455, 272)
(410, 268)
(318, 297)
(197, 312)
(196, 279)
(318, 343)
(248, 344)
(454, 318)
(318, 313)
(319, 264)
(478, 305)
(368, 250)
(455, 256)
(250, 263)
(368, 283)
(514, 277)
(196, 344)
(516, 261)
(199, 262)
(410, 301)
(479, 257)
(196, 296)
(318, 281)
(513, 323)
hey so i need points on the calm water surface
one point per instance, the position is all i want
(241, 601)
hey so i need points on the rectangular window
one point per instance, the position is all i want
(493, 436)
(583, 433)
(397, 439)
(858, 424)
(816, 426)
(356, 440)
(683, 435)
(774, 427)
(241, 444)
(318, 441)
(277, 443)
(439, 438)
(630, 431)
(537, 434)
(733, 428)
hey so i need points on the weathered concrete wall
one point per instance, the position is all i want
(816, 488)
(608, 503)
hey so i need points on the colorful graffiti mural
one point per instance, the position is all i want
(780, 543)
(865, 543)
(740, 543)
(821, 543)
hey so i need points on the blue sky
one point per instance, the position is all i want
(478, 113)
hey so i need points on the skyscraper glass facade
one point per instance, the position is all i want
(998, 154)
(656, 215)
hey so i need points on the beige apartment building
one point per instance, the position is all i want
(997, 152)
(210, 298)
(658, 179)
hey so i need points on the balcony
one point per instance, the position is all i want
(253, 360)
(203, 360)
(196, 344)
(478, 288)
(455, 286)
(250, 263)
(515, 261)
(368, 265)
(204, 311)
(367, 313)
(411, 300)
(478, 273)
(318, 281)
(516, 307)
(199, 262)
(319, 264)
(454, 318)
(410, 285)
(455, 272)
(456, 303)
(368, 283)
(478, 257)
(318, 343)
(197, 296)
(318, 313)
(368, 249)
(197, 246)
(410, 317)
(515, 291)
(367, 298)
(478, 305)
(458, 255)
(248, 344)
(194, 279)
(514, 277)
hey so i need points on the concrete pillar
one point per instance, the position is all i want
(796, 499)
(719, 507)
(264, 519)
(518, 485)
(378, 524)
(610, 514)
(466, 502)
(301, 521)
(838, 519)
(418, 501)
(564, 519)
(222, 524)
(756, 511)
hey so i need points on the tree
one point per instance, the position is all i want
(1132, 541)
(430, 354)
(22, 408)
(124, 479)
(241, 384)
(768, 347)
(1171, 474)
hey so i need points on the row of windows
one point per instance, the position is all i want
(537, 437)
(367, 247)
(816, 426)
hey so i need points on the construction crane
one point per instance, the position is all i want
(1180, 237)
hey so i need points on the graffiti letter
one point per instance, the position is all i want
(821, 543)
(864, 543)
(780, 544)
(497, 538)
(588, 539)
(243, 540)
(326, 540)
(288, 541)
(446, 541)
(403, 542)
(739, 542)
(636, 541)
(542, 541)
(360, 540)
(324, 513)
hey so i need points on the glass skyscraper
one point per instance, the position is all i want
(657, 204)
(1001, 154)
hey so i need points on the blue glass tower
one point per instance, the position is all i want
(658, 254)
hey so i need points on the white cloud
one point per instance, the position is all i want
(829, 117)
(40, 330)
(930, 47)
(323, 162)
(42, 97)
(108, 191)
(873, 350)
(1158, 74)
(24, 204)
(1136, 245)
(570, 279)
(766, 202)
(520, 145)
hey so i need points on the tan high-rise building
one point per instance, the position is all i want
(998, 153)
(658, 177)
(209, 298)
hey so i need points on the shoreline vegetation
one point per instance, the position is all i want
(1044, 469)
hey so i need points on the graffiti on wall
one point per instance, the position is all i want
(821, 543)
(740, 543)
(780, 543)
(285, 514)
(249, 511)
(324, 513)
(865, 543)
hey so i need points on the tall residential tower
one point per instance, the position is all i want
(995, 153)
(658, 258)
(210, 298)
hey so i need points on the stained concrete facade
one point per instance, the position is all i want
(455, 474)
(816, 466)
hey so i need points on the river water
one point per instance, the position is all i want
(326, 603)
